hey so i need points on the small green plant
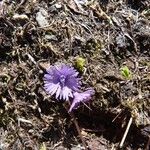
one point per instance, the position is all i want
(80, 63)
(126, 73)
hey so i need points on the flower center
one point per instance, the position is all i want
(62, 80)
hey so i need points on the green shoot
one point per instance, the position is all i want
(80, 63)
(126, 73)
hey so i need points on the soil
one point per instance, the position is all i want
(109, 35)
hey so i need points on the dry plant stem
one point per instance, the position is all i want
(126, 132)
(100, 13)
(148, 144)
(78, 128)
(79, 131)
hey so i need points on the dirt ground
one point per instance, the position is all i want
(111, 36)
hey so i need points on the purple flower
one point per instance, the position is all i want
(81, 97)
(61, 80)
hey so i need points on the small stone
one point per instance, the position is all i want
(41, 18)
(51, 37)
(44, 12)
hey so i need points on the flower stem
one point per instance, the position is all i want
(78, 130)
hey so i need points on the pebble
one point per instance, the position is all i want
(41, 18)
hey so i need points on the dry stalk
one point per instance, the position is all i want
(100, 13)
(126, 132)
(148, 144)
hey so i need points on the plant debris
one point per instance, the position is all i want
(98, 38)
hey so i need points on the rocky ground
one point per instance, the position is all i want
(112, 37)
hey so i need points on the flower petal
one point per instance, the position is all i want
(58, 92)
(51, 88)
(81, 97)
(66, 93)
